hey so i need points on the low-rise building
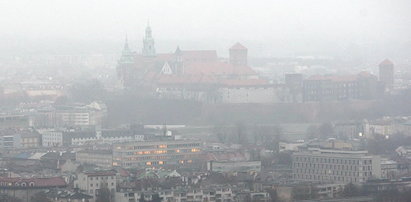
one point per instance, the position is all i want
(51, 137)
(14, 121)
(289, 146)
(30, 139)
(234, 166)
(25, 188)
(19, 138)
(101, 158)
(389, 169)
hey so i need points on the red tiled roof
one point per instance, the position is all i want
(238, 46)
(217, 68)
(200, 55)
(37, 182)
(185, 79)
(245, 82)
(123, 172)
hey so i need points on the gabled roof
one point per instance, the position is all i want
(216, 68)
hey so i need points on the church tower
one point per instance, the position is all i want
(238, 55)
(179, 63)
(126, 55)
(125, 64)
(148, 44)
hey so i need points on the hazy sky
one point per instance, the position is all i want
(209, 23)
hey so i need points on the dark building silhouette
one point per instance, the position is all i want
(363, 86)
(386, 70)
(294, 82)
(238, 55)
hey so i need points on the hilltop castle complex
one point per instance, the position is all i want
(194, 75)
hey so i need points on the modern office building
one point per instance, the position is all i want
(156, 153)
(336, 166)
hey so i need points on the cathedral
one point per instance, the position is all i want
(185, 74)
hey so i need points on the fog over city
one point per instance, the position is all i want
(272, 28)
(205, 101)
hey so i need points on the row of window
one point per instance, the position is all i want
(331, 166)
(101, 178)
(330, 172)
(331, 160)
(325, 178)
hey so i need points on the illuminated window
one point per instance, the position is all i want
(160, 162)
(148, 163)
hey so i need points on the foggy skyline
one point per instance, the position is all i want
(267, 26)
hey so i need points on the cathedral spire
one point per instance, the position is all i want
(148, 43)
(126, 47)
(127, 54)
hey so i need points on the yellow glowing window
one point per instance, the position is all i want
(177, 150)
(161, 162)
(148, 163)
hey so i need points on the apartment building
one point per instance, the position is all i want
(92, 182)
(337, 166)
(51, 137)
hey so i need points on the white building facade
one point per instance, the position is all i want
(336, 166)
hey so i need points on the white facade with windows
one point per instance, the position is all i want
(338, 166)
(234, 166)
(51, 138)
(156, 153)
(92, 182)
